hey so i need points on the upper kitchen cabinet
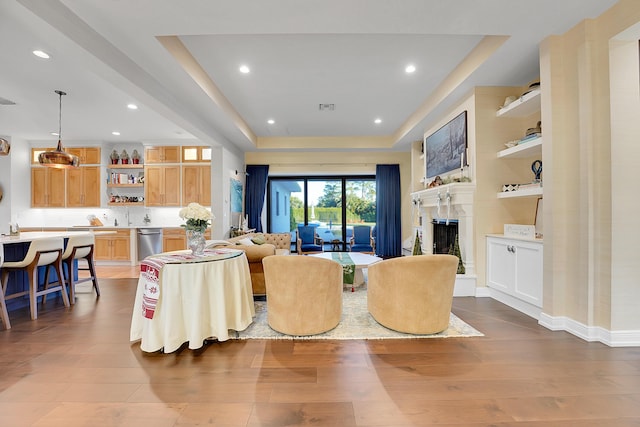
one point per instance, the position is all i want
(83, 187)
(162, 185)
(162, 154)
(87, 155)
(196, 154)
(47, 187)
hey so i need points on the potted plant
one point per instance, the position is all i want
(124, 157)
(114, 157)
(135, 157)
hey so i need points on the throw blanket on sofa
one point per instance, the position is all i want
(348, 266)
(151, 266)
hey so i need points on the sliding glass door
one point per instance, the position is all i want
(331, 204)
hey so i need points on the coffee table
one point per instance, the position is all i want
(360, 260)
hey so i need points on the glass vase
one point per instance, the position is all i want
(196, 241)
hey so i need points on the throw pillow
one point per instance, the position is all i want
(246, 241)
(259, 240)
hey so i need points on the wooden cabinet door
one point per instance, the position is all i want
(174, 243)
(83, 187)
(91, 186)
(167, 154)
(153, 185)
(171, 154)
(152, 154)
(47, 187)
(92, 156)
(196, 184)
(171, 184)
(38, 187)
(87, 155)
(205, 185)
(120, 249)
(102, 249)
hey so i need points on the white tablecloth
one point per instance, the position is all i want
(197, 301)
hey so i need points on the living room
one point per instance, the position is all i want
(522, 371)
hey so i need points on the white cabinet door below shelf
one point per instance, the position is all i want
(515, 268)
(502, 265)
(529, 272)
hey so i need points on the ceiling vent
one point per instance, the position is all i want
(327, 107)
(4, 101)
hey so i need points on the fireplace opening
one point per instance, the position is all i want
(444, 235)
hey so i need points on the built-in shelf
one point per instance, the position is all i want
(527, 192)
(125, 203)
(526, 149)
(526, 105)
(126, 185)
(127, 166)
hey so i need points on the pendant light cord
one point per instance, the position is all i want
(60, 93)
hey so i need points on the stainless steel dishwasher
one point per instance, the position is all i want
(149, 242)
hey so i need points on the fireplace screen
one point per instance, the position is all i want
(444, 235)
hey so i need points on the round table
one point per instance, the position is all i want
(360, 260)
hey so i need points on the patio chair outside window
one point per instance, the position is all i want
(362, 240)
(308, 241)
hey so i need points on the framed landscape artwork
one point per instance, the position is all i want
(445, 149)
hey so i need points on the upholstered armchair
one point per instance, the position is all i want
(412, 294)
(308, 241)
(304, 294)
(362, 240)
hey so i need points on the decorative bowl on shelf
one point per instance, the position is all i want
(511, 143)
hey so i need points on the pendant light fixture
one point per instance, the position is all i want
(59, 158)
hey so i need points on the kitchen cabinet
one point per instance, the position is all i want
(83, 187)
(196, 154)
(113, 247)
(162, 154)
(162, 185)
(47, 187)
(196, 184)
(514, 269)
(87, 155)
(175, 239)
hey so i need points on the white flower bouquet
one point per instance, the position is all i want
(198, 217)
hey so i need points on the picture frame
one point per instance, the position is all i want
(446, 148)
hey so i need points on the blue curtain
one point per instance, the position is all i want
(388, 225)
(256, 187)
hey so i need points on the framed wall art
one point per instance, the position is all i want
(445, 149)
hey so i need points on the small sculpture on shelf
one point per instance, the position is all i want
(114, 157)
(124, 157)
(135, 157)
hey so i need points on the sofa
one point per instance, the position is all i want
(257, 246)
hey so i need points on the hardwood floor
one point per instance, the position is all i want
(76, 367)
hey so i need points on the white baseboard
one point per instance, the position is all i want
(629, 338)
(482, 292)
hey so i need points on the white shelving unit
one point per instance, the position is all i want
(527, 192)
(526, 149)
(524, 106)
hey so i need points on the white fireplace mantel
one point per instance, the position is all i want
(450, 201)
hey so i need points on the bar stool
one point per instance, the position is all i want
(42, 252)
(4, 314)
(79, 247)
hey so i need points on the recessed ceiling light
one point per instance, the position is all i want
(244, 69)
(41, 54)
(271, 121)
(410, 69)
(132, 106)
(116, 133)
(55, 134)
(377, 121)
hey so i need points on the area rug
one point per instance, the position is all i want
(356, 324)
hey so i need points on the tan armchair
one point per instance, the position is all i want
(304, 294)
(412, 294)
